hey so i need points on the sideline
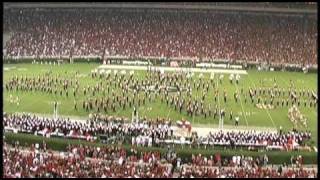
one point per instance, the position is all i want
(176, 69)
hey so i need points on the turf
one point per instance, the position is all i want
(39, 102)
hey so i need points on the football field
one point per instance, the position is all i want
(250, 116)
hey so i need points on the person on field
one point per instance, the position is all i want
(237, 121)
(75, 105)
(231, 78)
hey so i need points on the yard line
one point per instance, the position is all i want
(285, 82)
(315, 113)
(245, 117)
(144, 110)
(169, 113)
(219, 103)
(25, 94)
(264, 109)
(193, 118)
(197, 99)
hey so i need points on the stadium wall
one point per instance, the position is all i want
(275, 157)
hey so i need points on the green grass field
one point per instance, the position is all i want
(38, 102)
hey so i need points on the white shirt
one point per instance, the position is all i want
(238, 160)
(138, 140)
(133, 140)
(150, 141)
(121, 160)
(234, 159)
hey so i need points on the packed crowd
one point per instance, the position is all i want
(258, 138)
(276, 39)
(141, 133)
(34, 162)
(113, 153)
(256, 172)
(145, 133)
(85, 161)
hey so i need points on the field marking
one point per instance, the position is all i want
(245, 117)
(219, 103)
(28, 103)
(169, 113)
(284, 81)
(176, 69)
(9, 68)
(22, 69)
(81, 75)
(144, 109)
(315, 114)
(24, 94)
(193, 118)
(264, 109)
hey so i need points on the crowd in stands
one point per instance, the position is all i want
(114, 153)
(258, 138)
(84, 161)
(33, 162)
(202, 172)
(148, 134)
(232, 36)
(87, 130)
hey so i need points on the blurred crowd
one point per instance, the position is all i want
(83, 161)
(147, 133)
(232, 36)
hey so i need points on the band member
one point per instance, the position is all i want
(134, 111)
(215, 113)
(236, 121)
(55, 105)
(222, 114)
(75, 105)
(220, 78)
(231, 78)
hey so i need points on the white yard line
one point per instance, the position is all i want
(314, 112)
(245, 117)
(177, 69)
(169, 113)
(195, 112)
(193, 118)
(144, 109)
(219, 102)
(264, 109)
(30, 103)
(284, 81)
